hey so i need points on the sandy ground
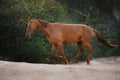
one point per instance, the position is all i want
(99, 69)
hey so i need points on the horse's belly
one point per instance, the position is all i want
(71, 40)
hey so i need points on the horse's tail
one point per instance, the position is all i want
(102, 40)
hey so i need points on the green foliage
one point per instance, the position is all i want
(13, 21)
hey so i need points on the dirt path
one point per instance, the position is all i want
(100, 69)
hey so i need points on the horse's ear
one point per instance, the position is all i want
(43, 23)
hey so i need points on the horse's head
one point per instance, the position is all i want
(34, 24)
(31, 27)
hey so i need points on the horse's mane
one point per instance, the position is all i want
(43, 23)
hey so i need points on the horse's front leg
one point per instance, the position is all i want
(54, 47)
(60, 46)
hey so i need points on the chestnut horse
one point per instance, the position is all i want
(60, 33)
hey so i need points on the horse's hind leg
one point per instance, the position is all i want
(90, 49)
(80, 52)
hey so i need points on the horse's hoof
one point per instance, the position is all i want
(88, 62)
(67, 63)
(73, 60)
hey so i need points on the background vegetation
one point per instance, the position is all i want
(103, 15)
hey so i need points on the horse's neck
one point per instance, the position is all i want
(44, 31)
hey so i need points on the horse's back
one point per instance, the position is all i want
(71, 33)
(78, 32)
(68, 33)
